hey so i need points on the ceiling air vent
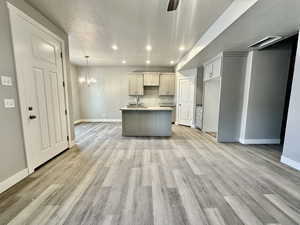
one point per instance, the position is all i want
(267, 41)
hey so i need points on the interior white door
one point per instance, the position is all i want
(185, 101)
(40, 84)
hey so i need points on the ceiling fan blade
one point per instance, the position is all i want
(173, 4)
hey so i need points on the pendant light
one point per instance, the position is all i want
(86, 79)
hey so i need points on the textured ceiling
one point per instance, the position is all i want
(95, 25)
(267, 17)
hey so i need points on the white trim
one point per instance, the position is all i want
(11, 181)
(72, 144)
(14, 10)
(101, 120)
(77, 122)
(247, 86)
(230, 15)
(259, 141)
(290, 162)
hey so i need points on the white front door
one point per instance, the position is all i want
(185, 101)
(40, 84)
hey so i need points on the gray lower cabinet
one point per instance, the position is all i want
(136, 84)
(174, 115)
(167, 84)
(147, 123)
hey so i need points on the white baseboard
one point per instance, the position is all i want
(187, 125)
(99, 121)
(77, 122)
(259, 141)
(290, 162)
(72, 144)
(11, 181)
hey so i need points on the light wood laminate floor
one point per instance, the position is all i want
(186, 179)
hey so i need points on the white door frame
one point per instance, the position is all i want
(192, 75)
(15, 11)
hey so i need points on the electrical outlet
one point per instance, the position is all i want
(6, 81)
(9, 103)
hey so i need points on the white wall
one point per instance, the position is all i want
(265, 93)
(75, 93)
(291, 150)
(103, 100)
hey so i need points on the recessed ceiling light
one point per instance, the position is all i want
(148, 61)
(172, 62)
(124, 62)
(148, 47)
(181, 48)
(114, 47)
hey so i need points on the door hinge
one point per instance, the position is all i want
(68, 138)
(61, 55)
(66, 112)
(64, 85)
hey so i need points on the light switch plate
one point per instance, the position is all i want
(9, 103)
(6, 81)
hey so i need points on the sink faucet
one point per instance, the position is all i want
(137, 100)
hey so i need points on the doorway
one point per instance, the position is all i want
(186, 86)
(41, 87)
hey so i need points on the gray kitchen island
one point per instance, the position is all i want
(147, 121)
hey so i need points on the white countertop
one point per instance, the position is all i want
(147, 109)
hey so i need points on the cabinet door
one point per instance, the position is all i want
(131, 84)
(151, 79)
(167, 84)
(208, 71)
(217, 66)
(171, 85)
(136, 84)
(213, 69)
(139, 84)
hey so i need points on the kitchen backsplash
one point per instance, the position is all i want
(151, 98)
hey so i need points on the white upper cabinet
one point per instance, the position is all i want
(213, 68)
(136, 84)
(151, 79)
(167, 84)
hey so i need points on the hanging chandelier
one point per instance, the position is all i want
(86, 79)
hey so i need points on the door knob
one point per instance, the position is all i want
(32, 117)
